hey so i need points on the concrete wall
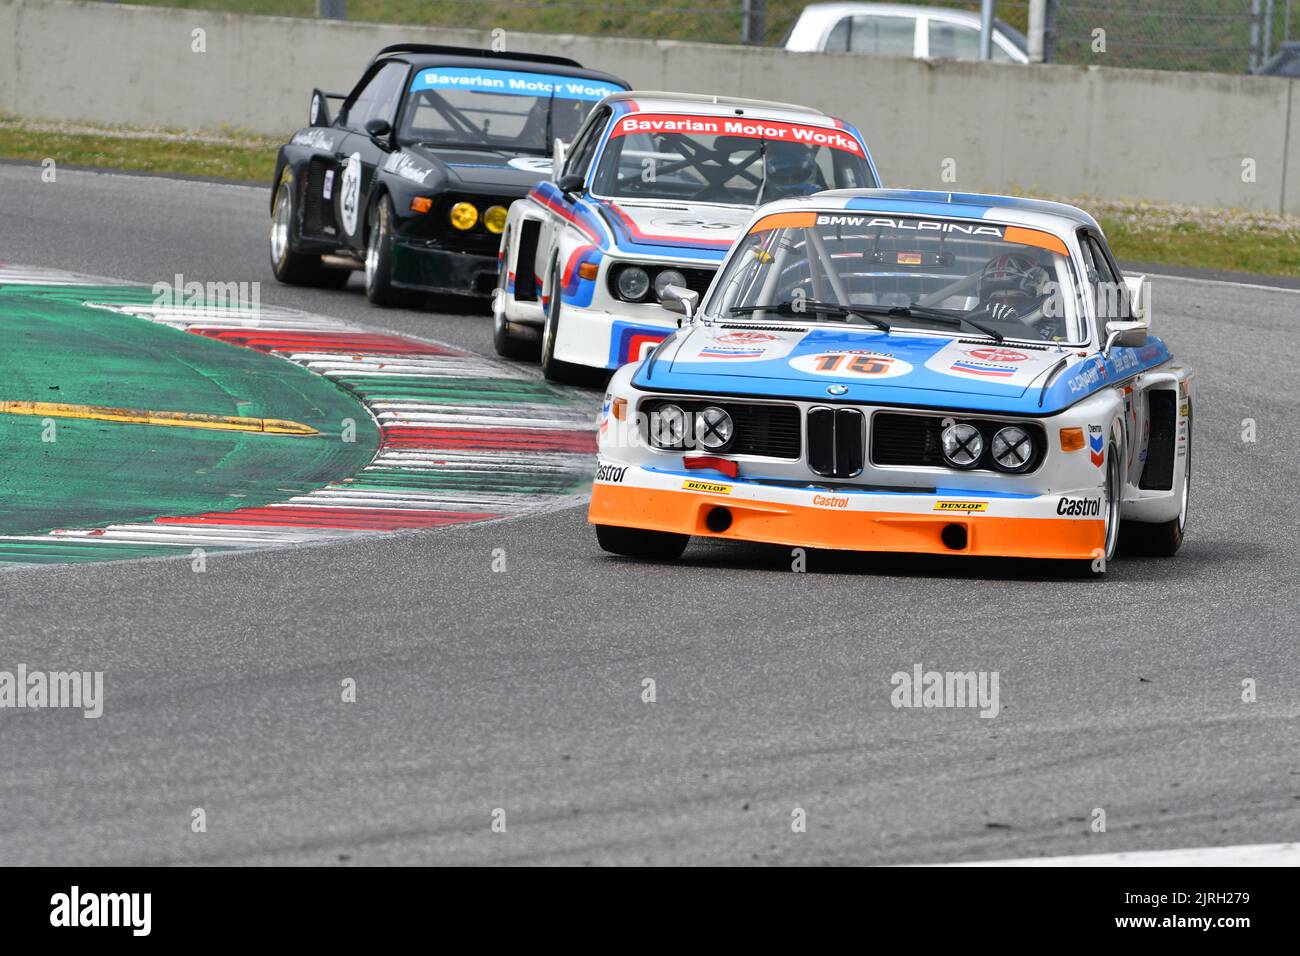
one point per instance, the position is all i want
(1122, 134)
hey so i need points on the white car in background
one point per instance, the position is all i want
(650, 195)
(892, 29)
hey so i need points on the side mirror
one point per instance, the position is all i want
(681, 300)
(1127, 335)
(559, 149)
(570, 185)
(319, 113)
(1139, 296)
(379, 129)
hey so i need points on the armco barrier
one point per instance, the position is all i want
(1121, 134)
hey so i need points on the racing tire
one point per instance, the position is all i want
(1112, 499)
(379, 257)
(553, 368)
(1163, 539)
(512, 340)
(638, 543)
(296, 268)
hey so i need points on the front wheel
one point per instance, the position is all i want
(379, 257)
(510, 339)
(553, 368)
(638, 543)
(1112, 495)
(296, 268)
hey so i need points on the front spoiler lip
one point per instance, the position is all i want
(902, 522)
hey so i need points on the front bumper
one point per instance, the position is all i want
(597, 338)
(969, 523)
(417, 265)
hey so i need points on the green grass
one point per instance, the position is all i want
(232, 156)
(1142, 232)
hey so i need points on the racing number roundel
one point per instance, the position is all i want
(852, 363)
(350, 193)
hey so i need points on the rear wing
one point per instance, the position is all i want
(469, 51)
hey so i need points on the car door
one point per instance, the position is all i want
(359, 155)
(948, 39)
(577, 162)
(1111, 303)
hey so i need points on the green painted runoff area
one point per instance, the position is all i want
(56, 348)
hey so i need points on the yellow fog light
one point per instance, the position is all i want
(495, 218)
(464, 215)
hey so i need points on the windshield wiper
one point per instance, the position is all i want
(823, 308)
(933, 315)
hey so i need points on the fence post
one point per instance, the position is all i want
(1254, 35)
(1049, 31)
(1268, 32)
(986, 30)
(1037, 27)
(753, 22)
(332, 9)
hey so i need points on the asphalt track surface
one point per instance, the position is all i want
(522, 690)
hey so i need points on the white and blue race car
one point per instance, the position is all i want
(651, 192)
(892, 370)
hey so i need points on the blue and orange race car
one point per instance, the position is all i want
(888, 370)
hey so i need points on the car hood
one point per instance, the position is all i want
(471, 169)
(879, 368)
(666, 228)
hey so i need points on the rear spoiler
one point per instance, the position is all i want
(467, 51)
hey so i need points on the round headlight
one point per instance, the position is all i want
(713, 428)
(667, 426)
(464, 215)
(962, 445)
(495, 219)
(633, 283)
(666, 278)
(1012, 449)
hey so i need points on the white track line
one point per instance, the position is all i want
(1259, 854)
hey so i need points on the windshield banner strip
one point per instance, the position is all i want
(770, 130)
(785, 220)
(1032, 237)
(512, 83)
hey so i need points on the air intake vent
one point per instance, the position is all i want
(836, 442)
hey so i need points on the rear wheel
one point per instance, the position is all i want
(638, 543)
(296, 268)
(1163, 540)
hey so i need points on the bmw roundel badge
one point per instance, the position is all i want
(837, 390)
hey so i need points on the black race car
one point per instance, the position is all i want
(412, 180)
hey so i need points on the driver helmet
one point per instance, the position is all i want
(1011, 278)
(790, 165)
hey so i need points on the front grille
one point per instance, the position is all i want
(906, 440)
(771, 431)
(835, 442)
(915, 440)
(698, 280)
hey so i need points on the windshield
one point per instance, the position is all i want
(720, 159)
(975, 277)
(478, 108)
